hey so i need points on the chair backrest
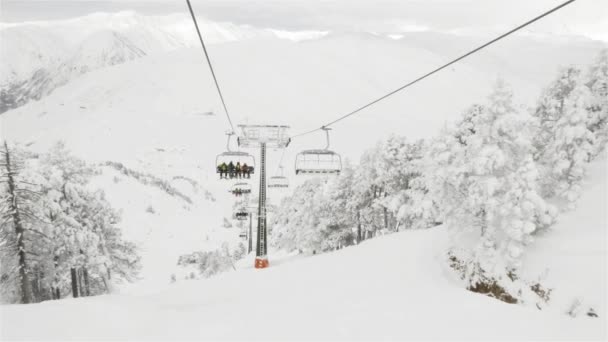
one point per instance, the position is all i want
(318, 161)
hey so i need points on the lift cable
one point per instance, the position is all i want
(280, 161)
(210, 65)
(438, 69)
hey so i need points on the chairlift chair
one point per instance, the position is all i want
(320, 161)
(278, 181)
(240, 189)
(235, 157)
(241, 215)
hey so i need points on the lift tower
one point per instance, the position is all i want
(262, 137)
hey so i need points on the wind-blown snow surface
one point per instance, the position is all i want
(390, 287)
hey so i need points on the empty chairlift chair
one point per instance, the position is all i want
(321, 161)
(279, 181)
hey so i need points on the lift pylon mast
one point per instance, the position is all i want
(263, 136)
(261, 252)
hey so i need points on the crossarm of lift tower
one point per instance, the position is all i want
(273, 136)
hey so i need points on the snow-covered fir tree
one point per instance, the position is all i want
(18, 199)
(71, 231)
(298, 211)
(597, 81)
(401, 178)
(486, 183)
(84, 226)
(565, 142)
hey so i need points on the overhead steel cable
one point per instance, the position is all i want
(439, 68)
(200, 37)
(281, 161)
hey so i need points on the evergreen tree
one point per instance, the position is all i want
(564, 142)
(17, 223)
(64, 233)
(84, 226)
(597, 82)
(486, 182)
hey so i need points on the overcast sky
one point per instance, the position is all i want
(584, 17)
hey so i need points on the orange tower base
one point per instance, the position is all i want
(261, 262)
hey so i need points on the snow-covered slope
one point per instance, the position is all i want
(152, 113)
(404, 293)
(163, 222)
(571, 257)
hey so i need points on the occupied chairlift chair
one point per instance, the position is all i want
(241, 214)
(234, 157)
(240, 189)
(321, 161)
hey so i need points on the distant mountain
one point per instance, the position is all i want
(101, 49)
(38, 57)
(26, 49)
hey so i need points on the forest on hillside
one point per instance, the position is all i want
(496, 178)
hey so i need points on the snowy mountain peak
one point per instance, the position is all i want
(104, 48)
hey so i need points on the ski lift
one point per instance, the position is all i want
(241, 215)
(240, 189)
(223, 160)
(278, 181)
(321, 161)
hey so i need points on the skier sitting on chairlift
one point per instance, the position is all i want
(231, 169)
(238, 169)
(245, 170)
(223, 168)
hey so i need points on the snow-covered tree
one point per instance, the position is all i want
(597, 82)
(339, 210)
(401, 176)
(550, 107)
(70, 237)
(369, 193)
(17, 226)
(298, 224)
(83, 226)
(486, 183)
(564, 142)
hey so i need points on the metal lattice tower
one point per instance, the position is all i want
(249, 237)
(263, 136)
(261, 253)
